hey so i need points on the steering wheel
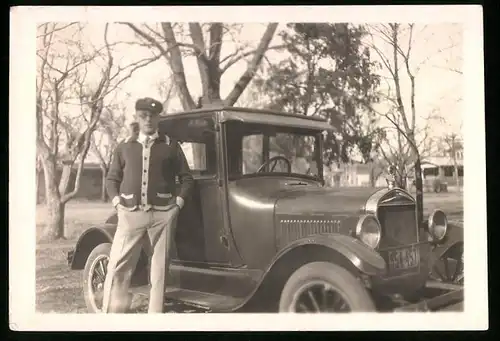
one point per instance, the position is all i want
(275, 160)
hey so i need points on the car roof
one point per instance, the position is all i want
(257, 116)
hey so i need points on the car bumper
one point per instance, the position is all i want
(451, 298)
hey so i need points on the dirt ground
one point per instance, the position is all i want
(58, 290)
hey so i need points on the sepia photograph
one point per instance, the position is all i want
(308, 164)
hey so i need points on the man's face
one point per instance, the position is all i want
(148, 122)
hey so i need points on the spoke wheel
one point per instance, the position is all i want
(94, 275)
(96, 282)
(449, 268)
(323, 287)
(319, 297)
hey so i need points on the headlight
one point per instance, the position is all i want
(368, 230)
(438, 225)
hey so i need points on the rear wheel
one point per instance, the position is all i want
(94, 275)
(323, 287)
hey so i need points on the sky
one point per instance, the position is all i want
(435, 51)
(436, 48)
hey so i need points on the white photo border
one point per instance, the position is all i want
(22, 246)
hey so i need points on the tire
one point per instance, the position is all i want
(338, 279)
(100, 252)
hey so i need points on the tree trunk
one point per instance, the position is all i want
(65, 177)
(39, 174)
(419, 190)
(372, 175)
(455, 173)
(54, 228)
(104, 193)
(55, 224)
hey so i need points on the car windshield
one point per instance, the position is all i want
(261, 149)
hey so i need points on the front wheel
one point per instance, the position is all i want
(323, 287)
(94, 275)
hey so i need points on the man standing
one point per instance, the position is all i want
(141, 181)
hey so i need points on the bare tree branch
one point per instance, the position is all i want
(154, 32)
(253, 65)
(236, 57)
(201, 57)
(177, 67)
(457, 71)
(216, 32)
(382, 56)
(238, 50)
(130, 68)
(198, 41)
(146, 37)
(42, 146)
(401, 107)
(96, 107)
(55, 29)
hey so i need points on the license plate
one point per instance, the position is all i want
(404, 258)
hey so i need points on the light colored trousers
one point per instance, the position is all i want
(152, 229)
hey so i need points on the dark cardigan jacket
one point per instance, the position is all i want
(145, 177)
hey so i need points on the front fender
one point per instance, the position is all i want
(365, 259)
(88, 241)
(343, 250)
(112, 219)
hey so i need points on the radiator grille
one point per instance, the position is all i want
(398, 225)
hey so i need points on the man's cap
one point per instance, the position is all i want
(149, 104)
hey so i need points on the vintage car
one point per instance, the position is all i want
(262, 233)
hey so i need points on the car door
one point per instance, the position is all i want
(204, 248)
(201, 235)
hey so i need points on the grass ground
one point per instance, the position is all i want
(59, 290)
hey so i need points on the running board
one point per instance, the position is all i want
(203, 300)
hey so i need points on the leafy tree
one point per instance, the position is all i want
(328, 73)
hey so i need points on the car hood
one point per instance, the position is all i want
(289, 196)
(258, 203)
(322, 200)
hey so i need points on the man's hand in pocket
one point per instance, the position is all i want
(116, 202)
(179, 201)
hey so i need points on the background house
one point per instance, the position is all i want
(446, 165)
(443, 168)
(354, 175)
(90, 183)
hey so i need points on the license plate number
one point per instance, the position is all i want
(404, 258)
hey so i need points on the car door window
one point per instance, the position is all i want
(196, 155)
(197, 139)
(252, 153)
